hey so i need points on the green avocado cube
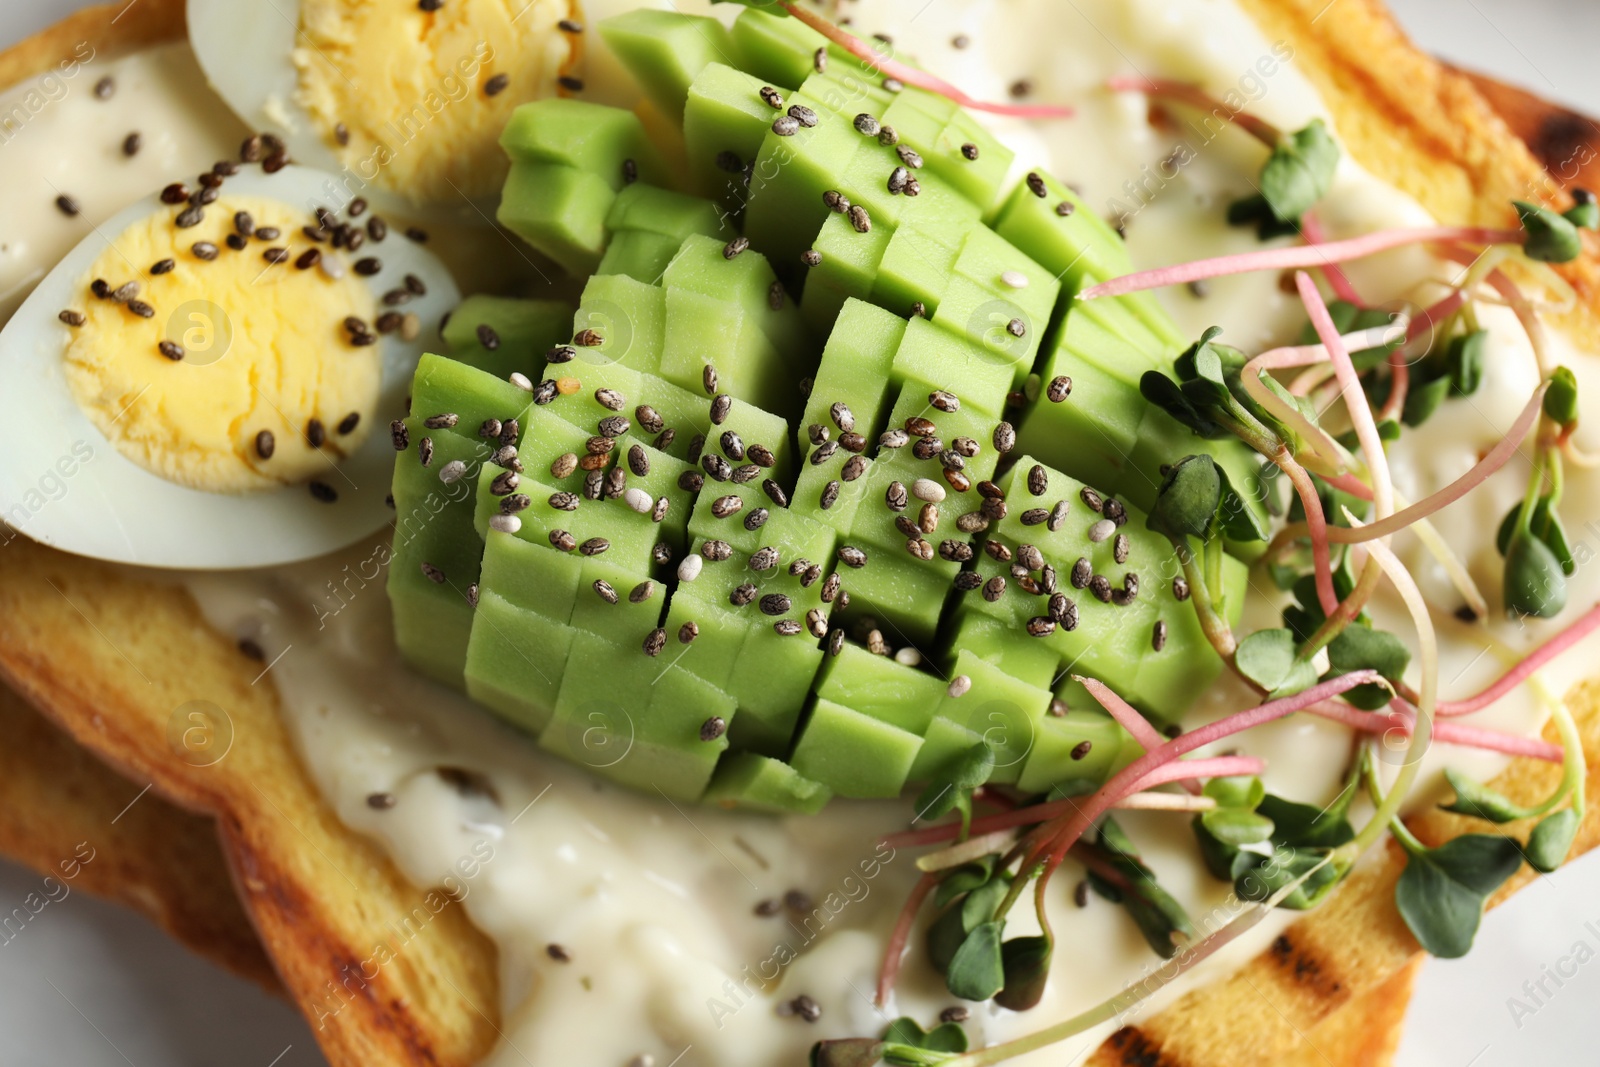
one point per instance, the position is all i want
(619, 715)
(943, 742)
(432, 623)
(1074, 753)
(592, 138)
(560, 211)
(1093, 433)
(881, 687)
(724, 115)
(785, 209)
(930, 358)
(747, 279)
(915, 269)
(1064, 233)
(530, 576)
(771, 681)
(433, 518)
(847, 91)
(848, 270)
(776, 48)
(639, 255)
(647, 208)
(720, 633)
(979, 180)
(593, 373)
(1005, 711)
(665, 51)
(515, 661)
(625, 621)
(906, 595)
(997, 322)
(995, 264)
(749, 782)
(706, 331)
(630, 537)
(629, 315)
(520, 330)
(855, 368)
(998, 642)
(443, 386)
(853, 754)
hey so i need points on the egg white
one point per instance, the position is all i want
(111, 508)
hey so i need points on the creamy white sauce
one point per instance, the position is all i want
(654, 902)
(59, 138)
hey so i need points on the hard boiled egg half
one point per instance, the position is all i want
(404, 98)
(207, 380)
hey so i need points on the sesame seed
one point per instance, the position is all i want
(803, 115)
(735, 246)
(308, 259)
(713, 728)
(323, 492)
(1036, 185)
(430, 5)
(506, 524)
(141, 309)
(1065, 208)
(836, 201)
(721, 405)
(927, 489)
(867, 125)
(859, 219)
(554, 951)
(785, 125)
(276, 255)
(1014, 279)
(851, 556)
(1017, 328)
(1058, 516)
(132, 143)
(819, 60)
(1005, 438)
(172, 350)
(104, 88)
(496, 85)
(1059, 389)
(453, 472)
(969, 150)
(570, 26)
(72, 318)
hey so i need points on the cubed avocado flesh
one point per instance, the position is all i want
(761, 783)
(503, 335)
(685, 419)
(665, 51)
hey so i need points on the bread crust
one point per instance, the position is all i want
(110, 657)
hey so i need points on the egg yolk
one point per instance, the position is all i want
(226, 369)
(414, 100)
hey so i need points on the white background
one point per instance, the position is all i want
(91, 985)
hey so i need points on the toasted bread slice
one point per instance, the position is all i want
(111, 657)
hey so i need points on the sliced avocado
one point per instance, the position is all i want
(665, 50)
(853, 754)
(630, 317)
(760, 783)
(519, 330)
(515, 661)
(881, 687)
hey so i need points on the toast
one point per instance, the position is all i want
(111, 656)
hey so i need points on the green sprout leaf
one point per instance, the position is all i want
(976, 971)
(1544, 524)
(950, 930)
(950, 789)
(1442, 892)
(1561, 399)
(1166, 394)
(1238, 521)
(1478, 800)
(1157, 914)
(1189, 497)
(1258, 877)
(964, 879)
(1551, 238)
(1423, 400)
(1464, 362)
(1268, 658)
(1585, 215)
(1359, 648)
(946, 1037)
(848, 1052)
(1551, 840)
(1302, 826)
(1535, 581)
(1236, 827)
(1299, 171)
(1026, 961)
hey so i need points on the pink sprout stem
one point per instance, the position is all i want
(1317, 529)
(1311, 229)
(1581, 627)
(1134, 775)
(894, 952)
(1404, 720)
(1307, 257)
(1129, 719)
(1193, 95)
(1220, 767)
(1354, 397)
(914, 76)
(1496, 458)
